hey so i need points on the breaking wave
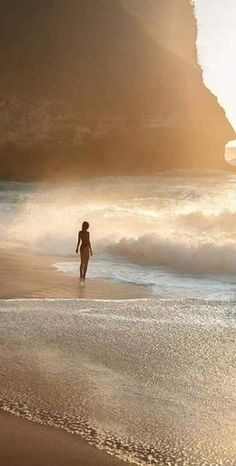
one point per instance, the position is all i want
(183, 222)
(201, 258)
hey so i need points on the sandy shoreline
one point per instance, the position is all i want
(29, 275)
(29, 444)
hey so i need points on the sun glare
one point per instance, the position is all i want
(230, 152)
(216, 50)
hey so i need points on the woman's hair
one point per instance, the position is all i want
(85, 226)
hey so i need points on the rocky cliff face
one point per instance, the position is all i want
(91, 87)
(169, 22)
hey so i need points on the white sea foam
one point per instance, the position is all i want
(206, 257)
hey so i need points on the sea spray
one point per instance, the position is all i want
(180, 224)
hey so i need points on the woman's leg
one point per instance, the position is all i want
(81, 262)
(85, 268)
(84, 254)
(81, 270)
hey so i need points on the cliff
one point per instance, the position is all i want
(96, 87)
(170, 22)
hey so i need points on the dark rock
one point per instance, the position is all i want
(91, 87)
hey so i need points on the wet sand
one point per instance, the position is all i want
(27, 275)
(24, 443)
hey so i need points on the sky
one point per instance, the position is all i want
(217, 50)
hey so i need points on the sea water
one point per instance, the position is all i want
(151, 381)
(174, 233)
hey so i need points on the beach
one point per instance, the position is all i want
(129, 376)
(30, 275)
(138, 360)
(117, 233)
(24, 274)
(24, 443)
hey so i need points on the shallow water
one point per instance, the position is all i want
(162, 282)
(153, 381)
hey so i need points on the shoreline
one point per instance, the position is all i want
(24, 274)
(28, 275)
(27, 443)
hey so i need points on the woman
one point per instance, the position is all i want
(85, 249)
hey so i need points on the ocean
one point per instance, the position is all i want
(152, 380)
(174, 233)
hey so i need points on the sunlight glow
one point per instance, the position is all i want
(216, 50)
(230, 152)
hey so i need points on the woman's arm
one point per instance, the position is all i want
(78, 243)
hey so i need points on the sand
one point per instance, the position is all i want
(27, 275)
(22, 443)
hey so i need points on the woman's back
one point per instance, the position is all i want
(84, 235)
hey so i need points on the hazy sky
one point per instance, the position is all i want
(217, 50)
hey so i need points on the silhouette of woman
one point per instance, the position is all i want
(85, 249)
